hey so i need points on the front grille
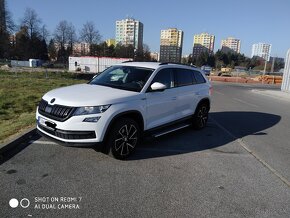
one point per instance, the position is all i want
(55, 112)
(69, 134)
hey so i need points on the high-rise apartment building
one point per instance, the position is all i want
(203, 42)
(231, 44)
(129, 32)
(171, 41)
(262, 50)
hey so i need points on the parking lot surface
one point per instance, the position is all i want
(238, 166)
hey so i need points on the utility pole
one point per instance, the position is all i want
(273, 64)
(264, 73)
(265, 67)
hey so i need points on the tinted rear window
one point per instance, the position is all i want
(198, 77)
(184, 77)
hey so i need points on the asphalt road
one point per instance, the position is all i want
(238, 166)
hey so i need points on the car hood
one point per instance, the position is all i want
(89, 95)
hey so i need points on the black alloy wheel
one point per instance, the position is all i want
(201, 116)
(124, 137)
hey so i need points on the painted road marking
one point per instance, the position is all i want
(214, 91)
(42, 142)
(244, 102)
(246, 147)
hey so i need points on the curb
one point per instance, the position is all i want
(22, 137)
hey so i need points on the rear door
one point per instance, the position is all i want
(187, 98)
(202, 88)
(161, 105)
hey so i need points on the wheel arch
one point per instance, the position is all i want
(132, 114)
(203, 101)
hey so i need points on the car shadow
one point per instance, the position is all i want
(222, 128)
(17, 146)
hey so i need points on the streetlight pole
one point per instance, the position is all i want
(264, 73)
(265, 67)
(273, 64)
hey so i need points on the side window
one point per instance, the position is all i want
(199, 78)
(184, 77)
(165, 77)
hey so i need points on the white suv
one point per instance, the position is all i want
(124, 103)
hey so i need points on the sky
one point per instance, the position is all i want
(251, 21)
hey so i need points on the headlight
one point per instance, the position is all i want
(91, 110)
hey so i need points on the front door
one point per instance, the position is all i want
(161, 105)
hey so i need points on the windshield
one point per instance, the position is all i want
(123, 77)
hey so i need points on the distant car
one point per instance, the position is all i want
(224, 74)
(206, 70)
(123, 103)
(207, 73)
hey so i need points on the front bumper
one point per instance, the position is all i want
(70, 144)
(73, 130)
(64, 134)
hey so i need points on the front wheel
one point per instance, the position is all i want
(201, 116)
(123, 139)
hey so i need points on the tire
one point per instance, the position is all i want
(201, 116)
(123, 138)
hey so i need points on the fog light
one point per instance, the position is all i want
(91, 119)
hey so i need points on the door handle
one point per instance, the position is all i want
(173, 98)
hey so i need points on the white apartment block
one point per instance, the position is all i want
(231, 44)
(79, 48)
(82, 48)
(129, 32)
(262, 50)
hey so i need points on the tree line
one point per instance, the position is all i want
(33, 40)
(230, 59)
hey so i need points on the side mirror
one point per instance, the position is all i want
(157, 87)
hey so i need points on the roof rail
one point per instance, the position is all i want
(188, 65)
(165, 63)
(126, 61)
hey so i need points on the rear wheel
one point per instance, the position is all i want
(123, 139)
(201, 116)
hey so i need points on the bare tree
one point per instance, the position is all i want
(44, 33)
(146, 53)
(3, 14)
(10, 25)
(72, 36)
(6, 27)
(61, 33)
(65, 34)
(65, 37)
(89, 33)
(31, 21)
(6, 22)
